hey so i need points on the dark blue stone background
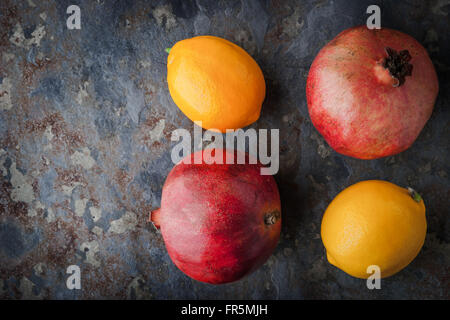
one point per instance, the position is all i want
(85, 126)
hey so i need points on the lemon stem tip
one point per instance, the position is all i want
(413, 193)
(167, 50)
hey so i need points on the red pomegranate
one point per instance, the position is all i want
(219, 222)
(370, 92)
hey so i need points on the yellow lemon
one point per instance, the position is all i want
(214, 81)
(374, 223)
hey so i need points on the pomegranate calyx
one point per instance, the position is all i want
(272, 217)
(398, 65)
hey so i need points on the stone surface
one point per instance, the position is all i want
(85, 126)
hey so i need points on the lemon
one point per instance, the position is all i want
(214, 81)
(374, 223)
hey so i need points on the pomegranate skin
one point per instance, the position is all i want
(219, 222)
(352, 100)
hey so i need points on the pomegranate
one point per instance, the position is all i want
(219, 222)
(370, 92)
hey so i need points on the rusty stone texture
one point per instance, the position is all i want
(85, 126)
